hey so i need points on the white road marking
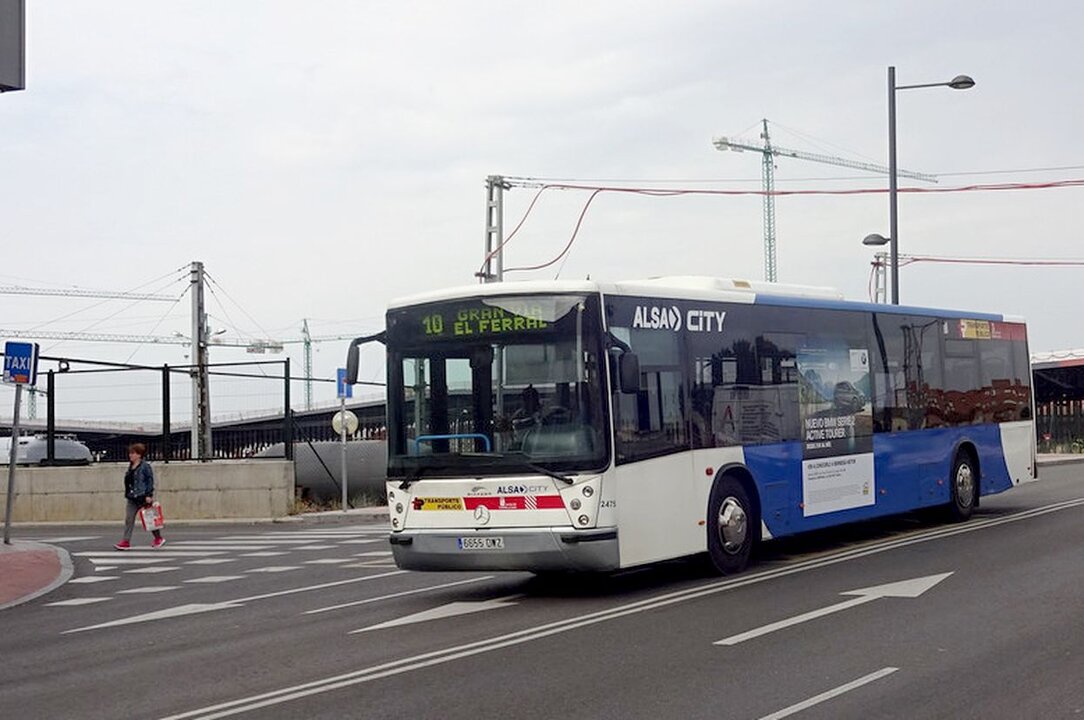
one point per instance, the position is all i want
(361, 542)
(446, 655)
(835, 692)
(328, 561)
(93, 579)
(215, 579)
(148, 589)
(220, 548)
(77, 601)
(292, 540)
(375, 553)
(268, 553)
(101, 568)
(274, 569)
(376, 564)
(405, 593)
(210, 561)
(152, 570)
(228, 543)
(58, 540)
(178, 611)
(209, 607)
(315, 547)
(903, 589)
(454, 609)
(113, 562)
(150, 553)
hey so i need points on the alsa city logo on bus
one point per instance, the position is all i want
(670, 318)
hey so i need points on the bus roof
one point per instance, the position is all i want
(704, 288)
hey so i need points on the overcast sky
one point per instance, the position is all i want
(323, 162)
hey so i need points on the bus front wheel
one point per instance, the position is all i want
(732, 526)
(965, 487)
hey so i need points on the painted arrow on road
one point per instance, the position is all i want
(445, 611)
(902, 589)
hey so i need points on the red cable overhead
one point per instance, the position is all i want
(675, 192)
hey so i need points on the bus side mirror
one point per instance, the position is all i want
(628, 372)
(352, 361)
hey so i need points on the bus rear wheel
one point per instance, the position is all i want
(965, 488)
(732, 526)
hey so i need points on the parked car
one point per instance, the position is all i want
(33, 450)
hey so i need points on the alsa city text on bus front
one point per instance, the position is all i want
(670, 318)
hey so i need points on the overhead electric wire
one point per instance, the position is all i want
(238, 305)
(535, 182)
(674, 192)
(823, 144)
(161, 320)
(102, 302)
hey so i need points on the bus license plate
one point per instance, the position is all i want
(481, 543)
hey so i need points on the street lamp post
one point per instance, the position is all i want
(960, 82)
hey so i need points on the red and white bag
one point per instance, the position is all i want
(151, 517)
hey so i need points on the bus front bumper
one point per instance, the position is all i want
(533, 549)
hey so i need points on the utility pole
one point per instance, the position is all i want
(880, 266)
(201, 395)
(494, 265)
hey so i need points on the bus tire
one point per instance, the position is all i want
(732, 526)
(964, 487)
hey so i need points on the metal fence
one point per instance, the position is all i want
(1059, 425)
(111, 405)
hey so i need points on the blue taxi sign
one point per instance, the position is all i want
(343, 390)
(21, 363)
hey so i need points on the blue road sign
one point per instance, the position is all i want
(21, 363)
(342, 390)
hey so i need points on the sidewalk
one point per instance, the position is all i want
(30, 569)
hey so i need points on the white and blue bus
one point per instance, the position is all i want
(551, 426)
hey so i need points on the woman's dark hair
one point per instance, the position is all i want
(138, 448)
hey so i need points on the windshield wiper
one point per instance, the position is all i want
(544, 471)
(405, 485)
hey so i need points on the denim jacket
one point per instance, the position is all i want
(139, 481)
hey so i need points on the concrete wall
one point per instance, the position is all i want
(187, 491)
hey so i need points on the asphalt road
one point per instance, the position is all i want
(314, 621)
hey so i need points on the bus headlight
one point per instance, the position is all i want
(588, 491)
(583, 519)
(399, 508)
(575, 504)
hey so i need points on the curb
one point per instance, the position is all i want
(368, 515)
(1058, 460)
(67, 569)
(365, 514)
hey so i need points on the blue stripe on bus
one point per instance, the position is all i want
(911, 470)
(790, 301)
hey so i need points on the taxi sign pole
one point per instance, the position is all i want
(11, 465)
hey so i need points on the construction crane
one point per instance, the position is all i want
(79, 292)
(307, 340)
(253, 346)
(770, 152)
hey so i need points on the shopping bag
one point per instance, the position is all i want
(151, 517)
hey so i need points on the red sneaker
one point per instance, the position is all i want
(158, 542)
(123, 545)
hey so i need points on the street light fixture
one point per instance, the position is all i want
(960, 82)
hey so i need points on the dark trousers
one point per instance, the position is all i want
(130, 518)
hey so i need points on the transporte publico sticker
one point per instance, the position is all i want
(438, 503)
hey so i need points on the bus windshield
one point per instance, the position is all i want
(496, 386)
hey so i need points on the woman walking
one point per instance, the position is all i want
(139, 492)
